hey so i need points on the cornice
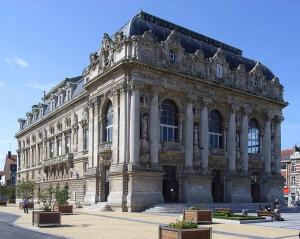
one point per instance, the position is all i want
(47, 117)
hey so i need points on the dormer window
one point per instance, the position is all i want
(255, 82)
(60, 100)
(41, 112)
(86, 80)
(172, 56)
(34, 117)
(52, 105)
(68, 95)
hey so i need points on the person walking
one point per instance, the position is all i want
(25, 205)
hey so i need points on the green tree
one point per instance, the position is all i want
(46, 198)
(25, 189)
(62, 196)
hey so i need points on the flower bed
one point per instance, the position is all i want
(233, 216)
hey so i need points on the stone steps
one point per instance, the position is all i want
(100, 206)
(235, 207)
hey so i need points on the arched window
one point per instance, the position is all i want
(168, 122)
(215, 130)
(253, 137)
(108, 123)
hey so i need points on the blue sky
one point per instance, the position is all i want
(42, 42)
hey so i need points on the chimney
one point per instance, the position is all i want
(9, 154)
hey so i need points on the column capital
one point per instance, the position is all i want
(278, 119)
(247, 109)
(206, 101)
(234, 107)
(269, 115)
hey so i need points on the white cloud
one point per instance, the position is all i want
(2, 83)
(17, 61)
(40, 86)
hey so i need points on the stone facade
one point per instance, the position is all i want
(161, 114)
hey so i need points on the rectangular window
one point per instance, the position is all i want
(283, 166)
(293, 167)
(68, 143)
(293, 181)
(51, 149)
(59, 152)
(85, 138)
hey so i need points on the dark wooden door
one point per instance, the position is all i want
(170, 184)
(217, 186)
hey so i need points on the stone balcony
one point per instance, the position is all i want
(219, 152)
(255, 157)
(58, 159)
(170, 146)
(105, 147)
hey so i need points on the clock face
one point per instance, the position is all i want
(219, 71)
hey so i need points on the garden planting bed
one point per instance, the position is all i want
(237, 218)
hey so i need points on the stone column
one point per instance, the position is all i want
(231, 140)
(204, 135)
(277, 147)
(134, 150)
(115, 143)
(267, 144)
(96, 131)
(188, 137)
(154, 129)
(180, 128)
(123, 123)
(244, 140)
(90, 126)
(63, 144)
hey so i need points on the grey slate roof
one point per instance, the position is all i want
(190, 40)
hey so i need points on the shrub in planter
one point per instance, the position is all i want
(62, 197)
(46, 217)
(198, 216)
(184, 230)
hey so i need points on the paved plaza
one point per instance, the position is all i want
(110, 225)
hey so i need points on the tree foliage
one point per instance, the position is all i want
(25, 189)
(62, 196)
(46, 198)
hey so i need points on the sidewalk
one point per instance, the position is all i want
(118, 225)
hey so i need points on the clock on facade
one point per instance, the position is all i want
(219, 71)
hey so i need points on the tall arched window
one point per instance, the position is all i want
(168, 121)
(215, 130)
(253, 137)
(108, 123)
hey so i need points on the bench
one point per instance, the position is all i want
(223, 210)
(265, 214)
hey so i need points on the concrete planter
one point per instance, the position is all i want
(13, 201)
(63, 209)
(196, 233)
(198, 216)
(45, 219)
(3, 203)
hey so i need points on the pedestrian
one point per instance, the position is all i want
(25, 205)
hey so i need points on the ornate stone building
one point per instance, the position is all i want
(161, 114)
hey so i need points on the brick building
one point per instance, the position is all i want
(290, 170)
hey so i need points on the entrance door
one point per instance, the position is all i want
(170, 184)
(217, 186)
(106, 184)
(255, 188)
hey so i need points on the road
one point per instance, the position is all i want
(9, 231)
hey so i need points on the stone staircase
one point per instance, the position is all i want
(235, 207)
(100, 206)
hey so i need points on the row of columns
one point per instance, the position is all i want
(131, 100)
